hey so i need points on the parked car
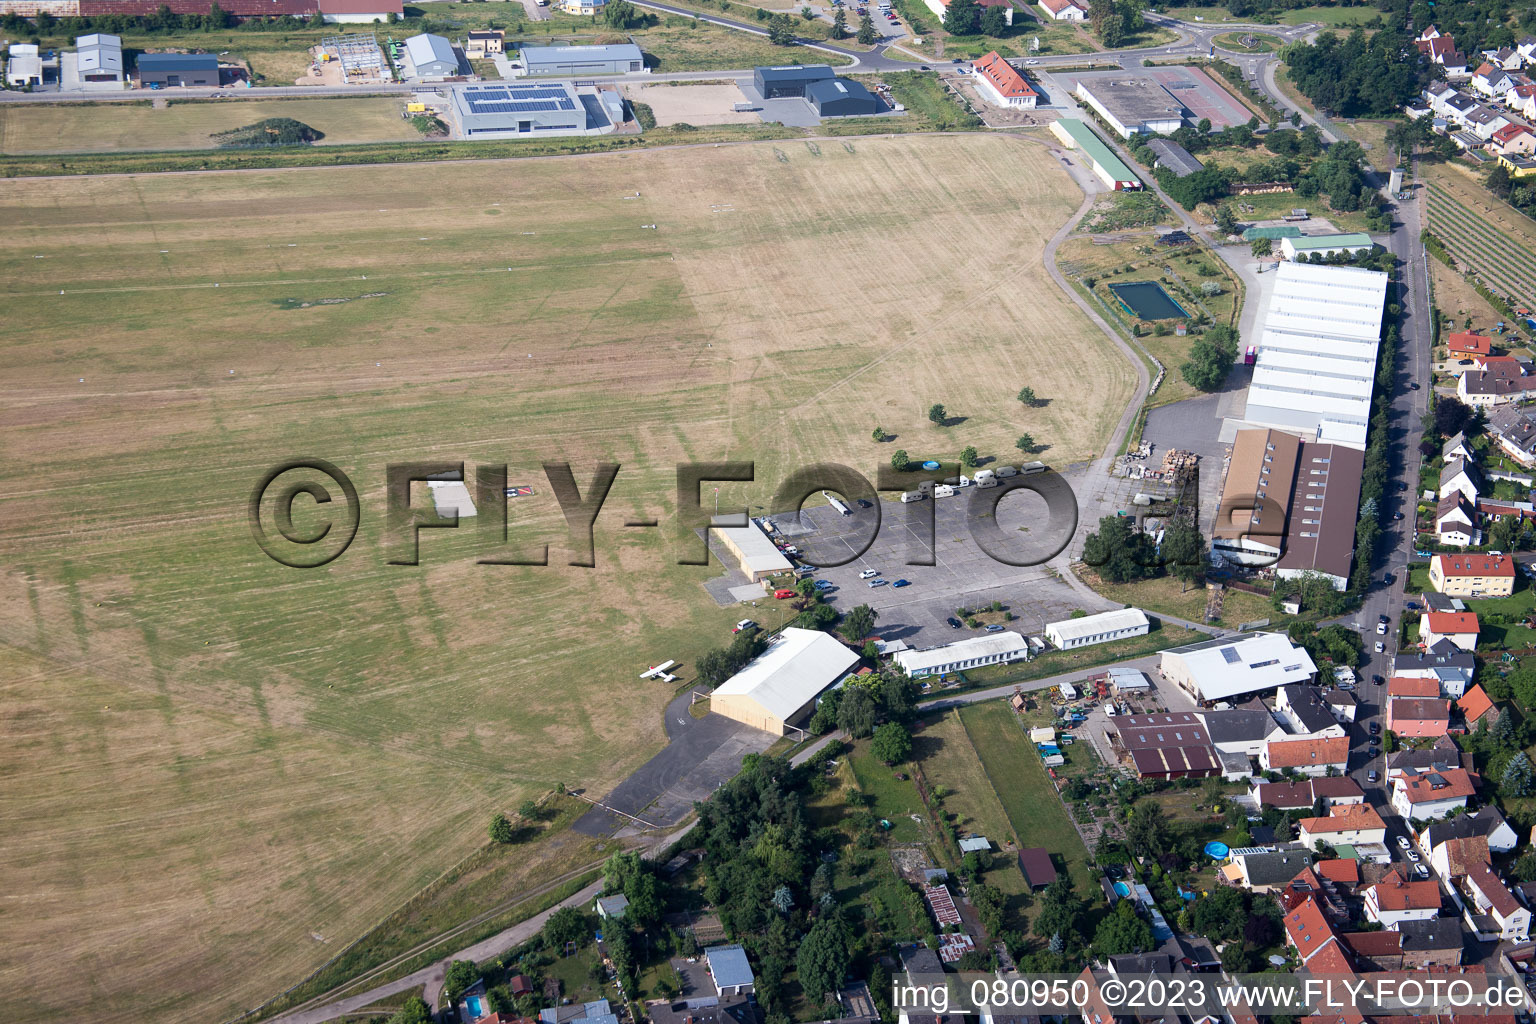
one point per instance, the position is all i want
(1412, 606)
(1381, 648)
(1373, 776)
(902, 583)
(743, 626)
(864, 503)
(869, 574)
(1381, 628)
(994, 628)
(1378, 680)
(877, 583)
(1413, 856)
(1397, 516)
(1375, 728)
(823, 584)
(954, 623)
(1421, 871)
(1388, 579)
(782, 594)
(1402, 842)
(1413, 385)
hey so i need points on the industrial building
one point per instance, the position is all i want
(573, 61)
(1097, 629)
(1133, 106)
(1175, 157)
(789, 80)
(168, 70)
(1316, 364)
(777, 690)
(755, 555)
(1307, 246)
(840, 97)
(1232, 666)
(992, 649)
(1001, 84)
(1164, 745)
(99, 58)
(1110, 169)
(25, 65)
(1291, 504)
(359, 12)
(533, 110)
(428, 56)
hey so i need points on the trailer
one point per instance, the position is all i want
(1031, 468)
(836, 502)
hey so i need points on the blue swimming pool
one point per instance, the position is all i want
(1122, 890)
(476, 1007)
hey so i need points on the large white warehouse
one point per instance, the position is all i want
(777, 690)
(1317, 353)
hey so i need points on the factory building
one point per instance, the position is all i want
(1133, 106)
(429, 56)
(789, 80)
(170, 70)
(575, 61)
(528, 111)
(840, 97)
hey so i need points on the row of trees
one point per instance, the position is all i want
(968, 18)
(1120, 553)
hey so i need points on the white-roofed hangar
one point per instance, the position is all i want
(1316, 365)
(570, 61)
(755, 555)
(777, 690)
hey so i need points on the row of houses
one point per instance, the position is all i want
(1462, 512)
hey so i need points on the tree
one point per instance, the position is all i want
(1027, 396)
(622, 14)
(892, 743)
(1262, 247)
(460, 975)
(962, 18)
(968, 456)
(1211, 358)
(219, 18)
(807, 14)
(1025, 443)
(1226, 220)
(564, 926)
(839, 24)
(994, 22)
(415, 1011)
(500, 829)
(858, 623)
(824, 956)
(899, 460)
(1517, 777)
(1119, 552)
(1183, 552)
(1121, 932)
(856, 712)
(644, 895)
(1146, 833)
(867, 34)
(1060, 911)
(527, 810)
(781, 31)
(783, 899)
(936, 413)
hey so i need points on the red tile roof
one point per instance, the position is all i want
(1449, 623)
(1465, 853)
(1003, 76)
(1343, 818)
(1305, 753)
(1508, 132)
(1493, 889)
(1409, 686)
(1383, 943)
(1344, 872)
(1420, 788)
(1307, 928)
(1393, 893)
(1331, 959)
(1474, 704)
(1469, 344)
(1475, 565)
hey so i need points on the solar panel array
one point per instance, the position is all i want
(529, 99)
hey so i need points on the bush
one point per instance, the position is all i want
(273, 131)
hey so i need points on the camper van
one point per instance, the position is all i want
(944, 491)
(1031, 468)
(910, 496)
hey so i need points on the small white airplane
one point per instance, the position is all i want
(659, 672)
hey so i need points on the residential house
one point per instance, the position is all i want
(1491, 910)
(1476, 706)
(1485, 823)
(1421, 796)
(1308, 756)
(1342, 703)
(1001, 84)
(1436, 942)
(1460, 628)
(612, 908)
(1515, 139)
(1438, 756)
(1346, 824)
(1506, 58)
(1308, 930)
(1486, 389)
(1302, 709)
(1456, 856)
(1514, 430)
(1460, 476)
(1490, 80)
(1394, 900)
(1418, 716)
(1268, 870)
(1303, 794)
(1468, 345)
(1444, 662)
(485, 42)
(1412, 686)
(1526, 47)
(1473, 575)
(730, 971)
(1064, 10)
(1456, 521)
(1457, 447)
(1244, 730)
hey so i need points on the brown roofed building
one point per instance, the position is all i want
(1324, 506)
(1250, 523)
(1476, 705)
(1309, 757)
(1036, 864)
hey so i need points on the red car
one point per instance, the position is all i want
(782, 594)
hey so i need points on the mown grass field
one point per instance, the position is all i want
(95, 128)
(223, 769)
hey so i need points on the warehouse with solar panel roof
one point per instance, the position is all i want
(533, 110)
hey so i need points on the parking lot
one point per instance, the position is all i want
(962, 572)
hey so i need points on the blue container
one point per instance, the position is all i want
(930, 464)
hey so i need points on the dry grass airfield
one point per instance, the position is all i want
(209, 759)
